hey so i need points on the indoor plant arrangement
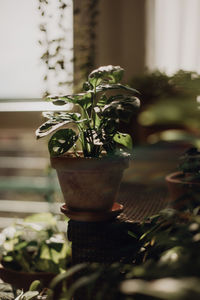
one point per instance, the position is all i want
(184, 184)
(165, 267)
(33, 249)
(105, 151)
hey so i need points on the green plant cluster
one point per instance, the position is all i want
(166, 266)
(169, 99)
(157, 85)
(103, 104)
(35, 245)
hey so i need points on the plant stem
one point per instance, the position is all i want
(93, 104)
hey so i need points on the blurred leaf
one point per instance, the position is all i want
(46, 218)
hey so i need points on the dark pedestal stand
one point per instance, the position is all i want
(103, 242)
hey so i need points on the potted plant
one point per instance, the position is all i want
(90, 178)
(184, 184)
(33, 250)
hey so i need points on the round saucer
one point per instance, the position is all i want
(90, 216)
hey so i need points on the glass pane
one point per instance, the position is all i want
(22, 71)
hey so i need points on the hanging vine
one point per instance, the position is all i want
(56, 35)
(85, 21)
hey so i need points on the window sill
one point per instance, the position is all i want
(31, 106)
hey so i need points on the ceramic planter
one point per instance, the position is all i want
(180, 190)
(23, 280)
(89, 184)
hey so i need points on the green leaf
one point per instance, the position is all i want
(56, 121)
(82, 99)
(62, 141)
(59, 102)
(49, 126)
(28, 295)
(57, 116)
(117, 86)
(121, 110)
(102, 101)
(132, 234)
(35, 285)
(6, 292)
(124, 139)
(45, 252)
(111, 74)
(20, 297)
(21, 245)
(71, 271)
(44, 218)
(43, 265)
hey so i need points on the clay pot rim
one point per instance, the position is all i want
(88, 163)
(177, 177)
(71, 156)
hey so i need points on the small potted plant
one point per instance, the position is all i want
(33, 250)
(90, 178)
(184, 184)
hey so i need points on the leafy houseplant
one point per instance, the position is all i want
(184, 185)
(103, 104)
(33, 249)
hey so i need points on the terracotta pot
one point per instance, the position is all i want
(89, 184)
(180, 190)
(23, 280)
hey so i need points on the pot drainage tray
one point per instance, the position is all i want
(90, 216)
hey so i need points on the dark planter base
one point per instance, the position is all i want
(23, 280)
(181, 191)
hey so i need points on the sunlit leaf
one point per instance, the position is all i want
(82, 99)
(56, 121)
(124, 139)
(112, 74)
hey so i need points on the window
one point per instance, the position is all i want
(173, 39)
(22, 71)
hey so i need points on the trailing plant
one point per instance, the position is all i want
(35, 245)
(56, 53)
(103, 104)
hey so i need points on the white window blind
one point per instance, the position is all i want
(21, 70)
(173, 35)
